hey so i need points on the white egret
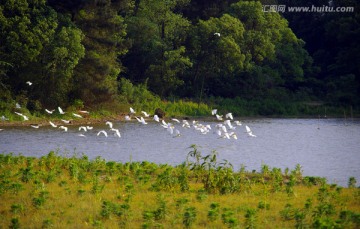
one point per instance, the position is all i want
(81, 135)
(145, 114)
(170, 128)
(164, 124)
(24, 116)
(17, 106)
(156, 118)
(229, 115)
(217, 34)
(186, 124)
(65, 121)
(177, 133)
(213, 112)
(132, 111)
(61, 111)
(35, 126)
(77, 115)
(238, 123)
(52, 124)
(228, 122)
(82, 128)
(49, 112)
(102, 132)
(127, 118)
(84, 112)
(64, 128)
(175, 120)
(29, 83)
(249, 132)
(117, 132)
(142, 120)
(110, 124)
(219, 117)
(233, 134)
(89, 127)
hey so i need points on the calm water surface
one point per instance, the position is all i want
(326, 147)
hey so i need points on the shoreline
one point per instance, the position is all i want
(121, 117)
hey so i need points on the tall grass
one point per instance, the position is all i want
(75, 192)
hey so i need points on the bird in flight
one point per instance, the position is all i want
(61, 111)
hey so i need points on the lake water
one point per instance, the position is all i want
(323, 147)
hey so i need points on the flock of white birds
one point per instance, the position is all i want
(223, 129)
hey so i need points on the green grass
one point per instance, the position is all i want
(75, 192)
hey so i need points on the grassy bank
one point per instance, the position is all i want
(75, 192)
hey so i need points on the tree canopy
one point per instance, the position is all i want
(85, 49)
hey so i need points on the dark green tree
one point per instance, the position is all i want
(158, 52)
(95, 78)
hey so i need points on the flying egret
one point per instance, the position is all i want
(217, 34)
(142, 120)
(175, 120)
(77, 115)
(29, 83)
(89, 127)
(156, 118)
(64, 128)
(117, 132)
(213, 112)
(102, 132)
(164, 124)
(250, 133)
(52, 124)
(229, 115)
(238, 123)
(219, 117)
(177, 133)
(186, 124)
(65, 121)
(127, 118)
(228, 122)
(61, 111)
(110, 124)
(82, 128)
(145, 114)
(233, 134)
(132, 111)
(49, 112)
(24, 116)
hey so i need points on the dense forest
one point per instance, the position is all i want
(92, 52)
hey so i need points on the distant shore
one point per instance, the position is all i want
(121, 117)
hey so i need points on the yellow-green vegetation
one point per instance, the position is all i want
(75, 192)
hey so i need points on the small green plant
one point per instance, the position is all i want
(250, 218)
(228, 218)
(189, 217)
(17, 208)
(213, 213)
(352, 182)
(263, 205)
(15, 224)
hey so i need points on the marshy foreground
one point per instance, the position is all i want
(75, 192)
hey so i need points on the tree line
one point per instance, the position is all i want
(88, 50)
